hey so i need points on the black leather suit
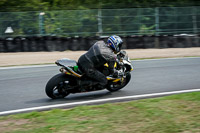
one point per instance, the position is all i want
(99, 54)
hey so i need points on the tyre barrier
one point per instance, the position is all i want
(54, 43)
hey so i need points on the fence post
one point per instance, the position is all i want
(41, 23)
(195, 29)
(100, 30)
(194, 20)
(157, 42)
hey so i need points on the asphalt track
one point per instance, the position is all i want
(23, 87)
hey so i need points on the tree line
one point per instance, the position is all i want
(75, 17)
(37, 5)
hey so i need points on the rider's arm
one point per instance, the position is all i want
(112, 69)
(111, 66)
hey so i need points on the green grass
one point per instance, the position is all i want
(170, 114)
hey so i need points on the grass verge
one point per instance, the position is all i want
(170, 114)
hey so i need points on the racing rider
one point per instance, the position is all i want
(99, 54)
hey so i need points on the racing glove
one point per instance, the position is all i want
(117, 74)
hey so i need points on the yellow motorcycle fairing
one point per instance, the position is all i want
(115, 79)
(106, 65)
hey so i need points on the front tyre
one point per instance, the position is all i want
(116, 87)
(56, 86)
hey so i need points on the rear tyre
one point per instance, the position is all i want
(116, 87)
(56, 86)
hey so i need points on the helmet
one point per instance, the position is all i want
(115, 43)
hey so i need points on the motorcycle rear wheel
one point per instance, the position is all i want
(113, 88)
(55, 87)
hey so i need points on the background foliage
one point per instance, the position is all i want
(36, 5)
(84, 18)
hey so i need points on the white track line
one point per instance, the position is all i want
(94, 102)
(178, 58)
(32, 66)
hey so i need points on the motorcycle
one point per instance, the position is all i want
(61, 85)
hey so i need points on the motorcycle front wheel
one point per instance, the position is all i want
(116, 87)
(56, 86)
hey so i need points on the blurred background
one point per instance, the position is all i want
(58, 25)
